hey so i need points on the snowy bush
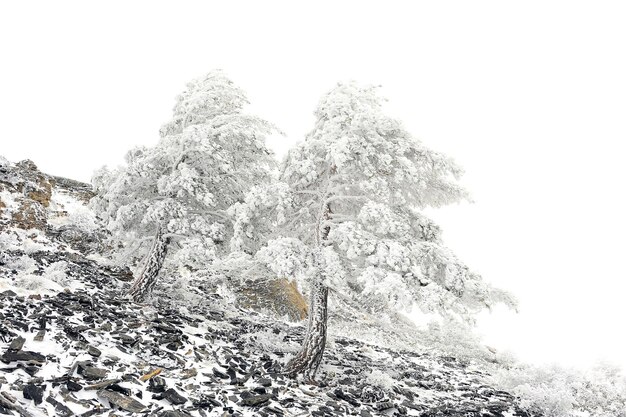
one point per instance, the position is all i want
(559, 392)
(57, 272)
(380, 379)
(53, 277)
(270, 341)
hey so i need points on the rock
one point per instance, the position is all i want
(61, 409)
(174, 397)
(84, 241)
(346, 397)
(73, 386)
(33, 392)
(23, 356)
(173, 413)
(219, 374)
(30, 215)
(265, 382)
(383, 405)
(122, 390)
(93, 351)
(122, 401)
(206, 401)
(157, 384)
(102, 384)
(189, 373)
(79, 190)
(255, 399)
(17, 343)
(92, 373)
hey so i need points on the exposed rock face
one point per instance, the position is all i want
(79, 190)
(36, 185)
(32, 190)
(31, 214)
(280, 297)
(31, 199)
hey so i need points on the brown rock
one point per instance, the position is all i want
(38, 186)
(30, 215)
(279, 296)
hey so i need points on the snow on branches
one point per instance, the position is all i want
(209, 156)
(360, 180)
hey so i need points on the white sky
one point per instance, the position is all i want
(530, 97)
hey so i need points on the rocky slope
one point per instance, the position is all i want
(70, 344)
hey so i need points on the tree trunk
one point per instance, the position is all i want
(309, 358)
(144, 284)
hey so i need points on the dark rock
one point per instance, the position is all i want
(274, 410)
(174, 397)
(23, 356)
(73, 386)
(383, 405)
(157, 384)
(372, 394)
(173, 413)
(33, 392)
(60, 408)
(265, 382)
(346, 397)
(206, 401)
(118, 388)
(93, 351)
(92, 373)
(255, 399)
(232, 374)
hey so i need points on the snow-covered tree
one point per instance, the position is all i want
(346, 216)
(209, 156)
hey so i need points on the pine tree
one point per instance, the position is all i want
(209, 156)
(347, 215)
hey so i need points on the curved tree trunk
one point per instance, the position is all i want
(143, 285)
(309, 358)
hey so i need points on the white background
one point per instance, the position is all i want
(530, 97)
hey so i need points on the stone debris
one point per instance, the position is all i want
(218, 369)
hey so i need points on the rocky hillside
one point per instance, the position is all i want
(70, 344)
